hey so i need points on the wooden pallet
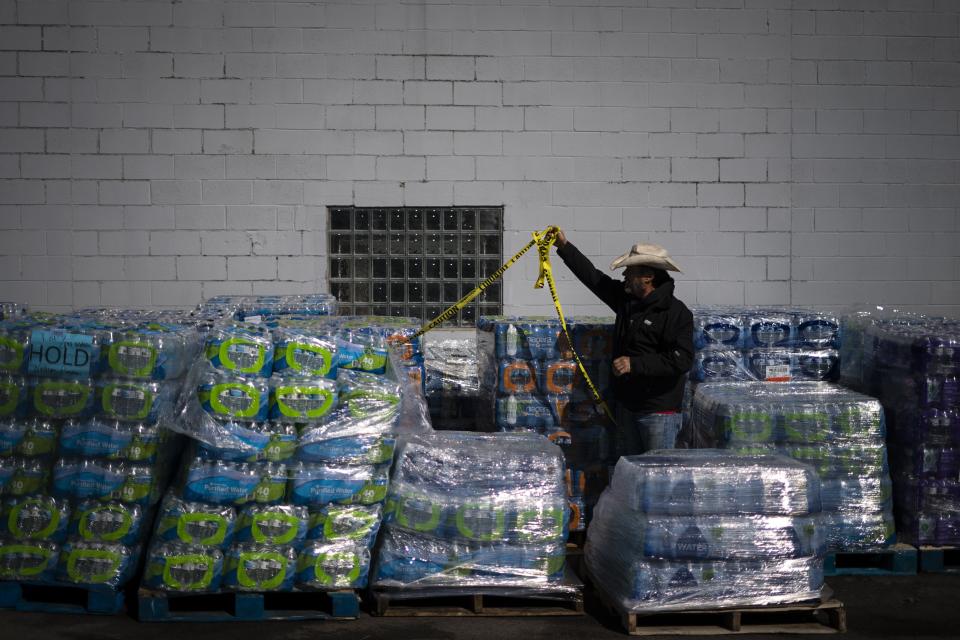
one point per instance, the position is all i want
(895, 560)
(939, 559)
(816, 618)
(60, 598)
(160, 606)
(566, 599)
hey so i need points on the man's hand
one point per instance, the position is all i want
(621, 366)
(561, 239)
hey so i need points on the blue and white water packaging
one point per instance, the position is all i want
(273, 525)
(304, 353)
(195, 523)
(719, 331)
(315, 484)
(35, 517)
(357, 524)
(15, 400)
(233, 397)
(241, 349)
(28, 561)
(139, 401)
(234, 483)
(96, 563)
(98, 521)
(253, 567)
(323, 565)
(301, 400)
(55, 398)
(526, 411)
(183, 568)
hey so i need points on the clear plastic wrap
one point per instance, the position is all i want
(452, 386)
(470, 510)
(283, 486)
(84, 455)
(702, 529)
(910, 362)
(839, 432)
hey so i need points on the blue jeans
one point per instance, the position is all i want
(642, 432)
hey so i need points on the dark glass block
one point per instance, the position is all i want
(468, 268)
(380, 310)
(342, 290)
(451, 268)
(468, 244)
(340, 244)
(489, 220)
(339, 267)
(396, 292)
(415, 268)
(396, 244)
(340, 219)
(378, 244)
(397, 220)
(397, 310)
(432, 290)
(451, 292)
(415, 243)
(415, 219)
(451, 219)
(378, 220)
(414, 292)
(489, 244)
(396, 268)
(450, 245)
(432, 268)
(361, 244)
(361, 220)
(361, 292)
(380, 268)
(415, 311)
(492, 293)
(468, 315)
(489, 309)
(362, 310)
(379, 291)
(433, 220)
(431, 244)
(361, 268)
(488, 267)
(468, 219)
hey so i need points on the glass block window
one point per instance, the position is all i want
(415, 261)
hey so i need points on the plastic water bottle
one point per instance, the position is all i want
(95, 521)
(183, 568)
(273, 525)
(96, 563)
(31, 561)
(346, 523)
(195, 523)
(254, 567)
(325, 566)
(35, 517)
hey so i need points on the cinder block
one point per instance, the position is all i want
(124, 192)
(350, 117)
(277, 243)
(200, 217)
(694, 170)
(176, 142)
(139, 268)
(148, 217)
(450, 118)
(252, 217)
(196, 116)
(228, 142)
(198, 167)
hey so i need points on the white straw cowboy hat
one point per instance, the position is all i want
(646, 254)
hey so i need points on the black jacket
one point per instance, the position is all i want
(655, 332)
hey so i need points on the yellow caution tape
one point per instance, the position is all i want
(543, 240)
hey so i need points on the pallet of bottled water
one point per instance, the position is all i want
(911, 363)
(281, 490)
(471, 513)
(685, 530)
(85, 399)
(839, 432)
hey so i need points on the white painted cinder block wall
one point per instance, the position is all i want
(785, 151)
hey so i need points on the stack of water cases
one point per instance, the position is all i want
(912, 364)
(703, 529)
(12, 310)
(283, 485)
(452, 385)
(737, 343)
(839, 432)
(84, 400)
(472, 510)
(533, 384)
(253, 307)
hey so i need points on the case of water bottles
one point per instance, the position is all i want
(468, 511)
(283, 485)
(702, 529)
(911, 363)
(840, 432)
(533, 384)
(84, 453)
(452, 385)
(756, 343)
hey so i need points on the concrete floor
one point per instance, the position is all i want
(925, 606)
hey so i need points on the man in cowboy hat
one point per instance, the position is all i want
(653, 341)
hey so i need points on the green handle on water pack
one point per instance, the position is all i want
(227, 361)
(13, 520)
(73, 388)
(427, 525)
(325, 578)
(125, 524)
(495, 534)
(258, 556)
(294, 347)
(21, 571)
(187, 519)
(78, 555)
(292, 523)
(107, 401)
(115, 354)
(283, 392)
(189, 558)
(218, 406)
